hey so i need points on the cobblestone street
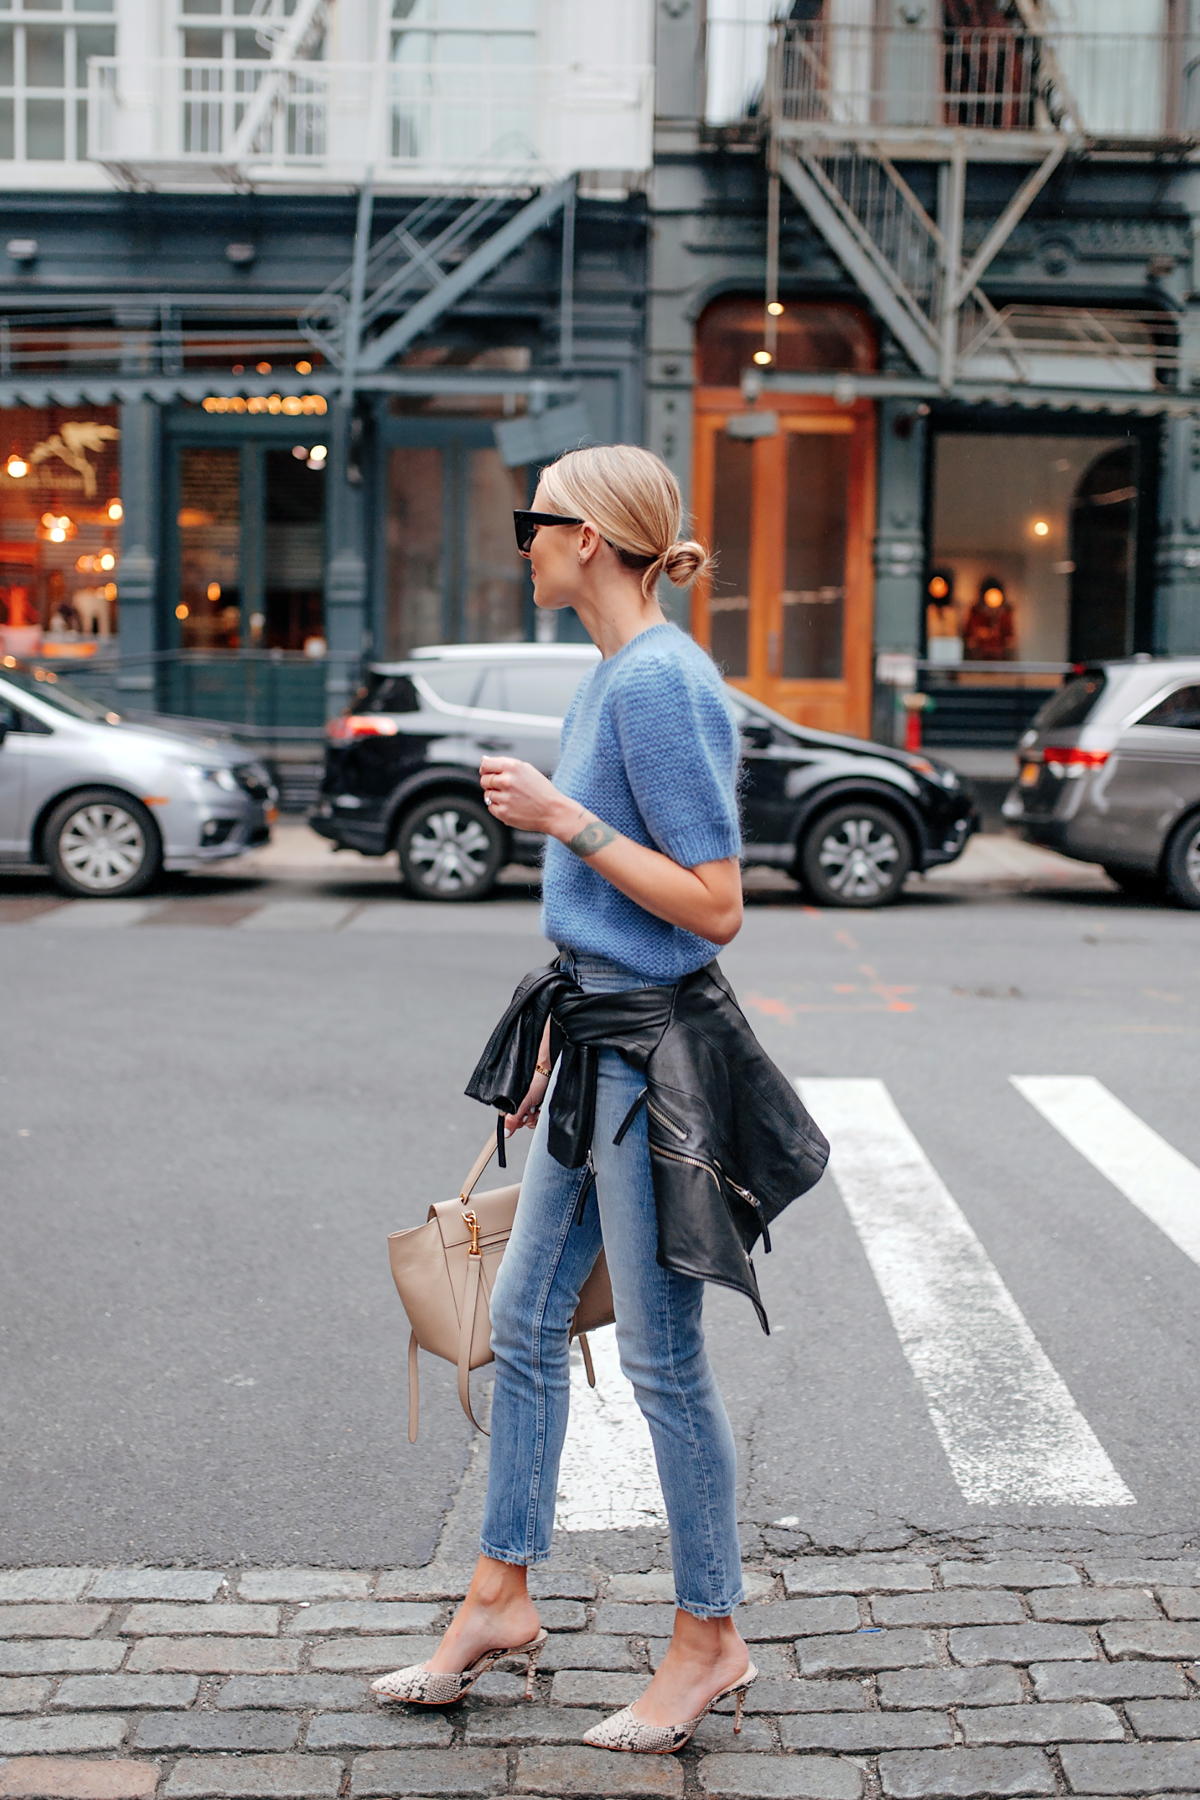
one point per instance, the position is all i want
(908, 1678)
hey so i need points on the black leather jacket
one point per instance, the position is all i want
(730, 1143)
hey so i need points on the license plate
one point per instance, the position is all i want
(1029, 775)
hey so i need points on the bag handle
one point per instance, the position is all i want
(484, 1158)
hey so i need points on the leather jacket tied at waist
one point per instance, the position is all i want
(730, 1143)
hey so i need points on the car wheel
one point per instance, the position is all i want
(1137, 884)
(450, 848)
(1183, 864)
(855, 855)
(102, 845)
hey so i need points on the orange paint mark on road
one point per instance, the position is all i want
(774, 1009)
(845, 940)
(888, 991)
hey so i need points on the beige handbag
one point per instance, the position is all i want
(445, 1268)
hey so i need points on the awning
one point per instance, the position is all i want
(116, 388)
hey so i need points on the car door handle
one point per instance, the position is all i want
(494, 746)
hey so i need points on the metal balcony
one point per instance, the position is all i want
(420, 126)
(915, 87)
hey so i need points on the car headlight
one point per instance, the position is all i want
(222, 778)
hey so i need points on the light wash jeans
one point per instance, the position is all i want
(659, 1336)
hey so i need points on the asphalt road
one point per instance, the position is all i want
(208, 1129)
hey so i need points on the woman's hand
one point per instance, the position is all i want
(530, 1108)
(519, 795)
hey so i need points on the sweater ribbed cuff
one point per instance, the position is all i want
(702, 844)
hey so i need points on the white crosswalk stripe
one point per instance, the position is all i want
(1151, 1173)
(98, 915)
(607, 1479)
(1006, 1419)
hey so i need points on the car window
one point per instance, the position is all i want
(389, 694)
(1180, 710)
(10, 718)
(59, 693)
(455, 683)
(1073, 704)
(528, 688)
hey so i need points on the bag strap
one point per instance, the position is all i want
(482, 1160)
(414, 1398)
(586, 1350)
(466, 1335)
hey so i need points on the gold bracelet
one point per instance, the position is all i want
(542, 1068)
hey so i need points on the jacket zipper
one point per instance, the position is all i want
(718, 1175)
(663, 1118)
(756, 1203)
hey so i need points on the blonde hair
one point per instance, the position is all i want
(633, 499)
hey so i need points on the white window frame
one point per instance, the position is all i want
(20, 16)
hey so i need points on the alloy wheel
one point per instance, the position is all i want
(102, 847)
(450, 852)
(859, 859)
(1191, 860)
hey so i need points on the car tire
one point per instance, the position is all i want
(450, 849)
(1138, 884)
(1182, 864)
(102, 844)
(856, 855)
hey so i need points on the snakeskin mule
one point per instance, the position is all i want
(623, 1732)
(419, 1686)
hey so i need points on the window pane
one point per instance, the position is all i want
(295, 553)
(494, 590)
(43, 57)
(453, 682)
(94, 6)
(1180, 710)
(6, 57)
(202, 44)
(547, 690)
(389, 694)
(814, 595)
(247, 48)
(210, 536)
(729, 606)
(414, 550)
(201, 6)
(43, 5)
(7, 146)
(92, 40)
(44, 130)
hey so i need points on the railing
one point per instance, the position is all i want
(259, 695)
(524, 123)
(1114, 85)
(1134, 348)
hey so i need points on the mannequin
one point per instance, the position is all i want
(990, 631)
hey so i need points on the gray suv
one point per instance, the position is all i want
(1110, 773)
(106, 804)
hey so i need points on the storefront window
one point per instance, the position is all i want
(814, 595)
(60, 528)
(209, 609)
(493, 600)
(414, 546)
(1033, 552)
(729, 605)
(808, 336)
(293, 588)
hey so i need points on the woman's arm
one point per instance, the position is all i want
(706, 900)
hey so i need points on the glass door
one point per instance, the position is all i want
(789, 515)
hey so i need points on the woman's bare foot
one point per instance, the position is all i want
(496, 1614)
(703, 1657)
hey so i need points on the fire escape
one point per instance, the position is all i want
(847, 105)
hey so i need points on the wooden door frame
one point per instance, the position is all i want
(843, 705)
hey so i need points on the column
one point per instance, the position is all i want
(138, 573)
(1177, 562)
(899, 543)
(346, 620)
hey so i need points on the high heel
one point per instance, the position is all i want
(422, 1686)
(625, 1732)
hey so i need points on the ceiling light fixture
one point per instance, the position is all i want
(1041, 528)
(763, 357)
(775, 308)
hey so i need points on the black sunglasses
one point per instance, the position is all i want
(527, 524)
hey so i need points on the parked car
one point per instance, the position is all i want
(1110, 773)
(848, 819)
(107, 804)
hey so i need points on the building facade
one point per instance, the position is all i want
(295, 296)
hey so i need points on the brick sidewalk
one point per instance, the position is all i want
(898, 1676)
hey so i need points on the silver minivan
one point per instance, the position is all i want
(106, 804)
(1110, 773)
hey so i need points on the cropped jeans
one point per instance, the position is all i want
(660, 1339)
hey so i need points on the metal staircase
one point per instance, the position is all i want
(845, 104)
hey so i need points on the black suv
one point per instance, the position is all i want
(847, 819)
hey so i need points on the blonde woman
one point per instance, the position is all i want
(641, 887)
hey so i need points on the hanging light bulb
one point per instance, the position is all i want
(763, 357)
(116, 511)
(16, 466)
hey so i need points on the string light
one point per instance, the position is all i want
(116, 511)
(16, 466)
(763, 357)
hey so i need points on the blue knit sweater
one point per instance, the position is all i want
(650, 746)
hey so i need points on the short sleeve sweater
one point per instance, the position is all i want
(650, 746)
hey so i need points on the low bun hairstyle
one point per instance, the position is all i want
(633, 500)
